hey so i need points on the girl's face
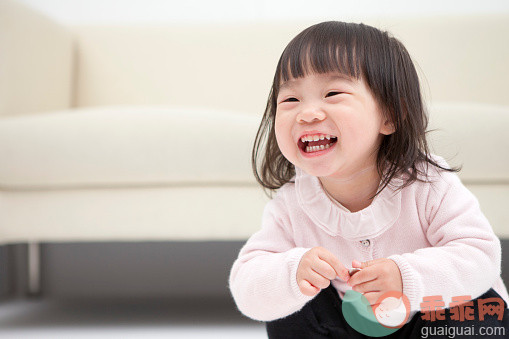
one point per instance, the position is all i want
(329, 125)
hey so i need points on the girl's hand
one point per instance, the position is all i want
(317, 268)
(376, 278)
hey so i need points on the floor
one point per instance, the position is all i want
(40, 318)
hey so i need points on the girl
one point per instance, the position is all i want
(343, 142)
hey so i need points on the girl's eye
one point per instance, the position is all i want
(290, 99)
(295, 99)
(332, 93)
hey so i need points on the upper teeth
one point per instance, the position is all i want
(315, 137)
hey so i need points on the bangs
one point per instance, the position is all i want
(329, 47)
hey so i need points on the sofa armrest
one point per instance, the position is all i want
(36, 61)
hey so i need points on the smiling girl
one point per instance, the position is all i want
(343, 142)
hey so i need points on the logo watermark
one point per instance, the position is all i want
(386, 316)
(392, 309)
(461, 308)
(456, 331)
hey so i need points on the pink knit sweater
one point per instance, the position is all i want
(436, 234)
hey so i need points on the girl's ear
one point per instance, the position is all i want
(387, 127)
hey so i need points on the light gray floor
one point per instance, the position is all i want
(28, 318)
(146, 298)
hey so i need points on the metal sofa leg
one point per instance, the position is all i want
(34, 269)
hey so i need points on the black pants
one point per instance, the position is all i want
(322, 317)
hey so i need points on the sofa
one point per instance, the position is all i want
(136, 133)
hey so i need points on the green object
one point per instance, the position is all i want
(359, 315)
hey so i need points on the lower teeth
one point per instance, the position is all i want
(316, 148)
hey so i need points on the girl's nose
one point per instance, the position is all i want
(310, 114)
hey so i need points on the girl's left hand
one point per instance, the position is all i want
(376, 278)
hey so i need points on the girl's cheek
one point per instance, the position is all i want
(279, 132)
(277, 128)
(281, 126)
(283, 137)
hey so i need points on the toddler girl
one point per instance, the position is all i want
(343, 142)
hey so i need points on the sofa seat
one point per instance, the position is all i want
(494, 200)
(126, 146)
(162, 213)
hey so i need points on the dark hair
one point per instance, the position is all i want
(359, 51)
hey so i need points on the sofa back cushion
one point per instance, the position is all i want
(36, 60)
(231, 66)
(472, 135)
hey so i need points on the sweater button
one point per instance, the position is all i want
(365, 243)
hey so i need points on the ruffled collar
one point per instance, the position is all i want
(337, 220)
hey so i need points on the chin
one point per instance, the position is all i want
(317, 171)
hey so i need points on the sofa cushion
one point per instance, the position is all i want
(37, 61)
(163, 64)
(474, 135)
(201, 213)
(137, 145)
(494, 200)
(117, 145)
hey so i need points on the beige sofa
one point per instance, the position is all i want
(136, 133)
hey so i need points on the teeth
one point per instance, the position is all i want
(316, 148)
(315, 137)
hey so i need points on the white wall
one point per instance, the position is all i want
(157, 11)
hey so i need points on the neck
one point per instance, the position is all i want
(354, 191)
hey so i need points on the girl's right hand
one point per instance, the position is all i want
(317, 268)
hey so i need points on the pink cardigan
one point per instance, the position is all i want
(437, 235)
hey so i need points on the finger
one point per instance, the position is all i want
(307, 288)
(369, 286)
(337, 265)
(371, 262)
(317, 280)
(356, 263)
(364, 275)
(324, 269)
(372, 297)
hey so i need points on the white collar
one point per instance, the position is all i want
(337, 220)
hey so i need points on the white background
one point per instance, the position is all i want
(193, 11)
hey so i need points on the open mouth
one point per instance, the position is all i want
(316, 142)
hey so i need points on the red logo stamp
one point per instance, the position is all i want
(461, 308)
